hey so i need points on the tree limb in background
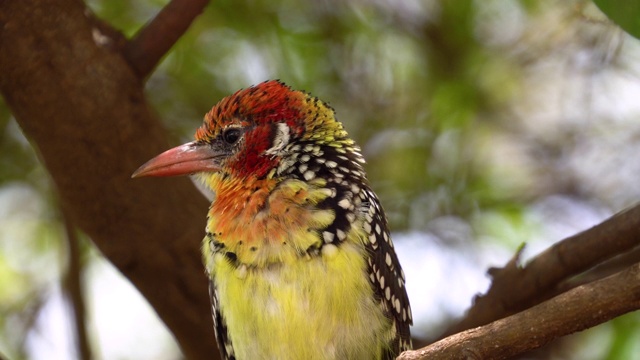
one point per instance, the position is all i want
(155, 39)
(578, 309)
(515, 288)
(602, 270)
(73, 289)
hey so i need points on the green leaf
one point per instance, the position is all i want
(624, 13)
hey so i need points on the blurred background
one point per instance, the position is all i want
(485, 124)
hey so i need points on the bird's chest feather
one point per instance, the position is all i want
(267, 223)
(280, 290)
(321, 307)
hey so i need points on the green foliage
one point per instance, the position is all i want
(19, 160)
(624, 13)
(625, 337)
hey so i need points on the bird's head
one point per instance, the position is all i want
(253, 133)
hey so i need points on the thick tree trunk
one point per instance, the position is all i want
(83, 108)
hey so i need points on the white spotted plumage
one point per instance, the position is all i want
(341, 167)
(324, 159)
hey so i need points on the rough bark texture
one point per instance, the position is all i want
(63, 75)
(515, 288)
(578, 309)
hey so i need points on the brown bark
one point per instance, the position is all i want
(74, 290)
(154, 40)
(82, 106)
(515, 288)
(578, 309)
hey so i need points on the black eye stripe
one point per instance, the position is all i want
(231, 135)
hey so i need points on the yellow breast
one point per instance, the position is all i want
(281, 301)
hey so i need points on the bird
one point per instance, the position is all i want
(298, 253)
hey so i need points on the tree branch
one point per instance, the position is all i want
(83, 108)
(601, 270)
(515, 288)
(73, 289)
(154, 40)
(601, 301)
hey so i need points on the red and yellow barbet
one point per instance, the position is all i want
(297, 246)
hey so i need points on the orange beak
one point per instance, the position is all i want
(185, 159)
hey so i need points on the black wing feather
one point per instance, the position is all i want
(219, 325)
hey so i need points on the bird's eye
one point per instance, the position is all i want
(231, 136)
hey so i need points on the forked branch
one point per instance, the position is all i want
(580, 308)
(516, 288)
(154, 40)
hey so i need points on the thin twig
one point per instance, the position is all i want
(73, 289)
(154, 40)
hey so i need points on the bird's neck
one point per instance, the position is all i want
(237, 199)
(259, 222)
